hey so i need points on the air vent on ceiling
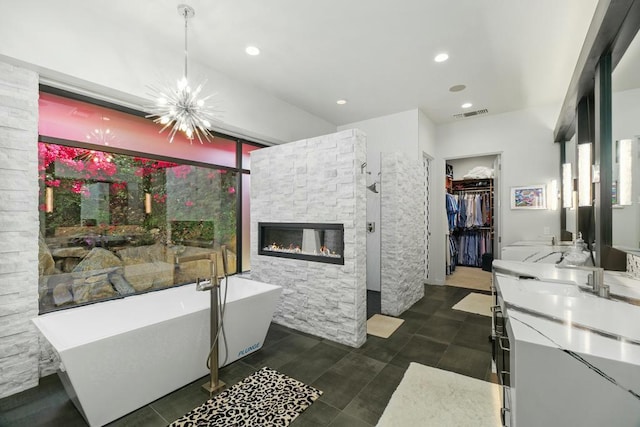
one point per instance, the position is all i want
(471, 114)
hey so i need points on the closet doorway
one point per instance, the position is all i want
(473, 216)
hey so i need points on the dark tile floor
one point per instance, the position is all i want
(357, 383)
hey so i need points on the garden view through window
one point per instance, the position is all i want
(113, 225)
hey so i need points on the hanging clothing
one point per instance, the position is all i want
(452, 211)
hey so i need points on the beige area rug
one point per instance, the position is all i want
(475, 303)
(469, 278)
(432, 397)
(383, 326)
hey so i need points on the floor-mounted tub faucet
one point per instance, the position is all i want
(214, 384)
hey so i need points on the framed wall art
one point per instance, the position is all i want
(529, 197)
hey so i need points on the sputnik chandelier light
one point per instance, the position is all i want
(178, 108)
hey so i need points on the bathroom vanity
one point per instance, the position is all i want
(564, 355)
(536, 252)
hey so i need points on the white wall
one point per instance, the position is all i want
(529, 156)
(398, 133)
(120, 61)
(427, 142)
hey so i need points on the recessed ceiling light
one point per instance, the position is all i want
(341, 101)
(441, 57)
(467, 105)
(252, 50)
(457, 88)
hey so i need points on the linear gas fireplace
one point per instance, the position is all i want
(305, 241)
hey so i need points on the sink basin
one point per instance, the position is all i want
(567, 289)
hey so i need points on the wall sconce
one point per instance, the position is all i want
(584, 174)
(48, 200)
(625, 162)
(567, 186)
(147, 203)
(552, 190)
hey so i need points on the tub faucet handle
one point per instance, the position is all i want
(203, 285)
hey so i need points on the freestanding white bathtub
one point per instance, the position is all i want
(119, 355)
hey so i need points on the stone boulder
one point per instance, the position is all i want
(62, 294)
(143, 254)
(152, 275)
(120, 284)
(71, 252)
(189, 272)
(46, 265)
(92, 285)
(98, 259)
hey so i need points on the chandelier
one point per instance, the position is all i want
(179, 107)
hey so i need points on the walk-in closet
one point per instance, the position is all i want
(471, 205)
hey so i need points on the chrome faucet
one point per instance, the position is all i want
(595, 280)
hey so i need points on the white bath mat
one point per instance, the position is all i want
(432, 397)
(383, 326)
(475, 303)
(264, 398)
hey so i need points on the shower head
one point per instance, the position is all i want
(372, 187)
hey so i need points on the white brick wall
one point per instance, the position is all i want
(19, 349)
(402, 227)
(315, 180)
(633, 265)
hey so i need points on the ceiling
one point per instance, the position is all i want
(377, 54)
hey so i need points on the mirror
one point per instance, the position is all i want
(568, 191)
(626, 150)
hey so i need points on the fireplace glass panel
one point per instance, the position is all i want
(304, 241)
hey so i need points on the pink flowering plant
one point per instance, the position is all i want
(108, 193)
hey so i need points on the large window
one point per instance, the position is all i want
(115, 223)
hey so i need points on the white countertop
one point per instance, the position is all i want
(575, 357)
(551, 310)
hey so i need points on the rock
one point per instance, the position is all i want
(46, 265)
(98, 259)
(231, 262)
(120, 284)
(143, 254)
(188, 272)
(62, 294)
(68, 264)
(72, 252)
(43, 287)
(150, 275)
(94, 287)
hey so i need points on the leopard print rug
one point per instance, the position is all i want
(265, 398)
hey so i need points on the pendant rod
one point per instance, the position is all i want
(186, 50)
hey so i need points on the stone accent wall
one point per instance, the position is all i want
(315, 180)
(633, 265)
(402, 227)
(19, 348)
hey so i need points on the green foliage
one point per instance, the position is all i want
(104, 194)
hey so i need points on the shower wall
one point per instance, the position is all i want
(316, 180)
(402, 228)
